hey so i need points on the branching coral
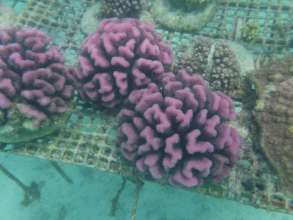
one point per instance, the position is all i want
(34, 81)
(123, 54)
(181, 132)
(214, 60)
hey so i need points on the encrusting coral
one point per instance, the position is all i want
(179, 132)
(123, 54)
(34, 82)
(274, 116)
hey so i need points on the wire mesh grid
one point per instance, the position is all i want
(272, 20)
(59, 18)
(89, 137)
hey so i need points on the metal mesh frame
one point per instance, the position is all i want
(268, 15)
(89, 137)
(58, 18)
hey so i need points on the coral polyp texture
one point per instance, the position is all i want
(121, 8)
(215, 61)
(123, 54)
(179, 132)
(34, 82)
(274, 115)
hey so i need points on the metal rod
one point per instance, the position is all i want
(13, 178)
(61, 172)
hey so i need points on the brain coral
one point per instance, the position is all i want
(33, 79)
(179, 133)
(121, 55)
(214, 60)
(274, 115)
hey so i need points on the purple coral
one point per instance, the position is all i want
(123, 54)
(179, 132)
(33, 76)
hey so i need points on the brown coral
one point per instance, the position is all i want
(214, 60)
(121, 8)
(274, 115)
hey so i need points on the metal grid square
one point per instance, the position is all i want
(271, 18)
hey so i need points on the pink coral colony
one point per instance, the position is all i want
(33, 76)
(123, 54)
(179, 132)
(172, 126)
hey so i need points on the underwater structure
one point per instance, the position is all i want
(125, 65)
